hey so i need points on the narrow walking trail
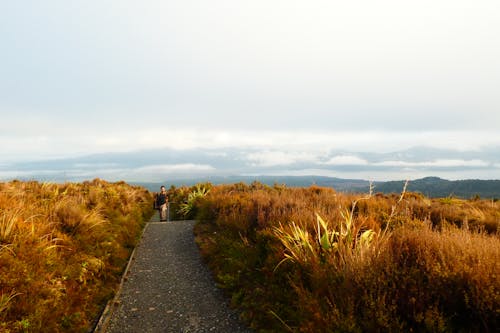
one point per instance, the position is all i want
(167, 287)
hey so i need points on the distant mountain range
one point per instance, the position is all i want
(438, 187)
(342, 170)
(344, 185)
(430, 186)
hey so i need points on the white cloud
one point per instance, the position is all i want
(276, 158)
(440, 163)
(217, 154)
(111, 172)
(158, 172)
(13, 174)
(95, 165)
(174, 168)
(26, 145)
(346, 160)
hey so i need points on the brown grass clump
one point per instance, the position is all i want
(314, 260)
(62, 250)
(446, 280)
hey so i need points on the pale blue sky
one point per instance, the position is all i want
(297, 77)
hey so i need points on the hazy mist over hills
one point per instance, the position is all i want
(168, 164)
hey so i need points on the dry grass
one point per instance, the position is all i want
(313, 260)
(62, 250)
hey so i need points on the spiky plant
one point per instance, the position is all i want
(186, 207)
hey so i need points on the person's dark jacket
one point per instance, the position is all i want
(161, 199)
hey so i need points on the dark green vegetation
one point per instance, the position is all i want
(63, 248)
(314, 260)
(432, 187)
(437, 187)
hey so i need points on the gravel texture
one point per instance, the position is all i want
(168, 288)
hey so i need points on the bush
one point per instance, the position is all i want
(313, 260)
(63, 248)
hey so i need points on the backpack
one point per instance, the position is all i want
(155, 202)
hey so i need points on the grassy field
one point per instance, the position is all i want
(313, 260)
(292, 259)
(63, 248)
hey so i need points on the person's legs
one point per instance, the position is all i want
(163, 212)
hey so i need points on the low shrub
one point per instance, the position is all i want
(314, 260)
(63, 248)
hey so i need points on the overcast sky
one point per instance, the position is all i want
(79, 77)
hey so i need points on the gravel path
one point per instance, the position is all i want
(168, 288)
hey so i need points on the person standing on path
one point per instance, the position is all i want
(161, 202)
(169, 288)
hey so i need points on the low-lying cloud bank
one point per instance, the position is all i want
(162, 164)
(263, 145)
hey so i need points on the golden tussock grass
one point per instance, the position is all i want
(314, 260)
(62, 250)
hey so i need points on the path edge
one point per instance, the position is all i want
(106, 314)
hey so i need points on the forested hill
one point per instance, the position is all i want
(429, 186)
(438, 187)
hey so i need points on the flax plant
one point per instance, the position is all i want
(187, 207)
(341, 240)
(299, 244)
(342, 263)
